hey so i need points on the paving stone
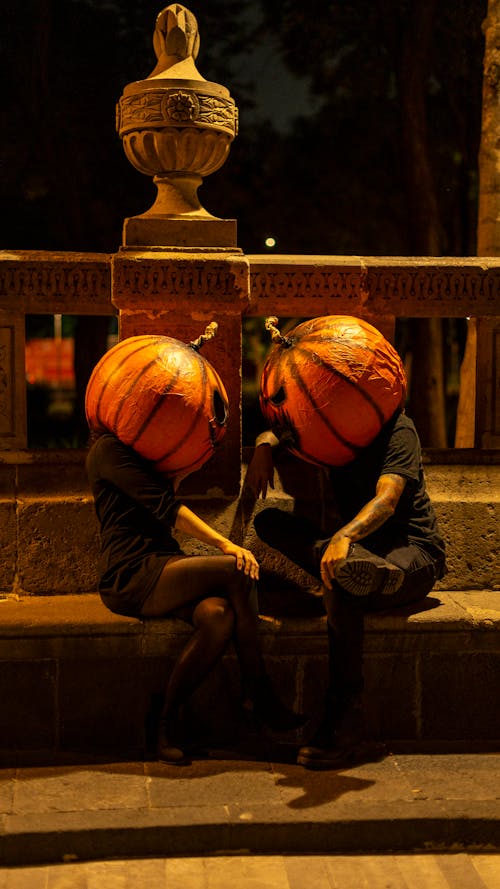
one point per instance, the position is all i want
(117, 786)
(7, 784)
(445, 871)
(211, 783)
(246, 873)
(452, 777)
(401, 802)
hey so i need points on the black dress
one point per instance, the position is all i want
(136, 509)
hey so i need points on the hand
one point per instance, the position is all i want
(260, 472)
(338, 548)
(245, 560)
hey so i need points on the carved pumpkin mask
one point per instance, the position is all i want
(162, 398)
(329, 386)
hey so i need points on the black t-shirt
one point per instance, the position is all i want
(136, 509)
(396, 450)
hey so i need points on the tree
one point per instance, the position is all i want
(488, 229)
(410, 72)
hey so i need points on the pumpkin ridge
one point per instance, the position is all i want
(305, 389)
(305, 455)
(122, 403)
(116, 369)
(374, 349)
(156, 406)
(354, 384)
(189, 430)
(187, 468)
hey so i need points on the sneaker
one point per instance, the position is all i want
(337, 741)
(362, 573)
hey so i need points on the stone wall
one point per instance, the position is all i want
(49, 535)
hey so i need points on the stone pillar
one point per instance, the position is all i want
(177, 295)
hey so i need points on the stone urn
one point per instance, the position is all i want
(177, 127)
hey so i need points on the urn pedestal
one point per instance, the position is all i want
(177, 128)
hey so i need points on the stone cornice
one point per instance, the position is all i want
(41, 281)
(80, 283)
(398, 286)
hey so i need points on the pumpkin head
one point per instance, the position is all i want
(329, 386)
(162, 398)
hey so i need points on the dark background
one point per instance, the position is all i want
(359, 127)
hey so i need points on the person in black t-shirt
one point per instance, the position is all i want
(382, 501)
(143, 573)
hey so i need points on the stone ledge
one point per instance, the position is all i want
(76, 677)
(85, 615)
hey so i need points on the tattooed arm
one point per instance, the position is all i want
(369, 518)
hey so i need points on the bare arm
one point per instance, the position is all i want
(371, 517)
(260, 472)
(189, 523)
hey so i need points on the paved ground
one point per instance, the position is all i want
(219, 806)
(424, 871)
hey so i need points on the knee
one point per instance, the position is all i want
(215, 615)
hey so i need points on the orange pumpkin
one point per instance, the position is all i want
(162, 398)
(329, 386)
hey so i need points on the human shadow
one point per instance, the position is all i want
(316, 788)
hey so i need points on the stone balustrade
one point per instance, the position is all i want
(175, 293)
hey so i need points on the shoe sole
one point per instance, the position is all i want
(173, 756)
(362, 752)
(174, 762)
(361, 577)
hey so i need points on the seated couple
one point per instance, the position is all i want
(386, 552)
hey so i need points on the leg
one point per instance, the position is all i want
(213, 620)
(297, 538)
(341, 730)
(186, 580)
(194, 578)
(191, 579)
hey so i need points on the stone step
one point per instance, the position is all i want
(77, 678)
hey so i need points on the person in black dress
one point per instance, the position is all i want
(144, 574)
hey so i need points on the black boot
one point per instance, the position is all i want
(362, 573)
(337, 738)
(262, 706)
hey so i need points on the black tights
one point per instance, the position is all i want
(218, 599)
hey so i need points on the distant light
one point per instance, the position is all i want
(270, 242)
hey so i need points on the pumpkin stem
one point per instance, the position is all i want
(209, 334)
(277, 337)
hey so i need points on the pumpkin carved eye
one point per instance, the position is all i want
(220, 410)
(279, 397)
